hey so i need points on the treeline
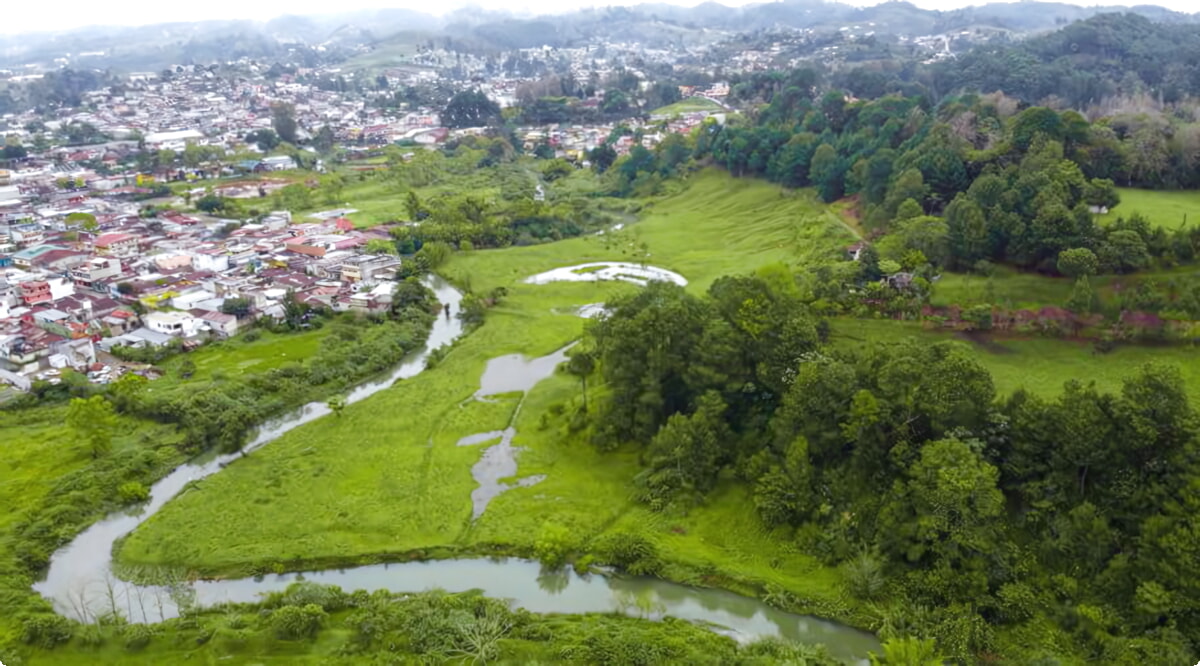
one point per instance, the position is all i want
(1038, 529)
(982, 180)
(1108, 55)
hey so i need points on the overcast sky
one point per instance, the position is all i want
(22, 16)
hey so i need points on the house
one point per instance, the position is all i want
(278, 163)
(900, 281)
(25, 258)
(91, 274)
(854, 252)
(224, 325)
(116, 245)
(35, 291)
(180, 324)
(369, 269)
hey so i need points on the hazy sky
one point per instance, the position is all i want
(30, 16)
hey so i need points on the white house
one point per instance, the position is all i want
(179, 324)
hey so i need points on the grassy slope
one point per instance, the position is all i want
(1162, 208)
(1039, 365)
(718, 226)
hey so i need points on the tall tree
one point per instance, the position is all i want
(283, 121)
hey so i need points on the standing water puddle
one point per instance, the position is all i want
(505, 374)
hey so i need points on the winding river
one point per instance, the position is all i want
(80, 582)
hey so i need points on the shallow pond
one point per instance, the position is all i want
(608, 270)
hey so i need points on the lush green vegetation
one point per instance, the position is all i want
(1169, 210)
(1035, 364)
(1001, 512)
(52, 486)
(314, 624)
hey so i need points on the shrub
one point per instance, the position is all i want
(553, 544)
(297, 622)
(630, 552)
(251, 335)
(133, 492)
(329, 597)
(864, 577)
(46, 630)
(137, 636)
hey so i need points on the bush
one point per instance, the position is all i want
(864, 577)
(133, 492)
(297, 622)
(46, 630)
(137, 636)
(553, 544)
(251, 335)
(630, 552)
(330, 598)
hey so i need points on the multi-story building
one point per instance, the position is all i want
(93, 273)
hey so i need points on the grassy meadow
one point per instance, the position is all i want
(1038, 365)
(387, 480)
(1166, 209)
(717, 226)
(689, 105)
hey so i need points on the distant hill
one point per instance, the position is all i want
(657, 24)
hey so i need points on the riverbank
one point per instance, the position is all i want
(414, 450)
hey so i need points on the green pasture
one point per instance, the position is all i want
(1163, 208)
(1036, 364)
(689, 105)
(239, 355)
(717, 225)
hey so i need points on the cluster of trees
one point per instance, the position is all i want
(1071, 521)
(1013, 186)
(1105, 56)
(493, 201)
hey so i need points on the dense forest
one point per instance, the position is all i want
(1042, 529)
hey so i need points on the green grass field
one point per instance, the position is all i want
(689, 105)
(238, 355)
(1038, 365)
(1165, 209)
(387, 478)
(717, 226)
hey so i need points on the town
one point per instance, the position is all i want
(99, 254)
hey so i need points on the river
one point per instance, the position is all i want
(80, 582)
